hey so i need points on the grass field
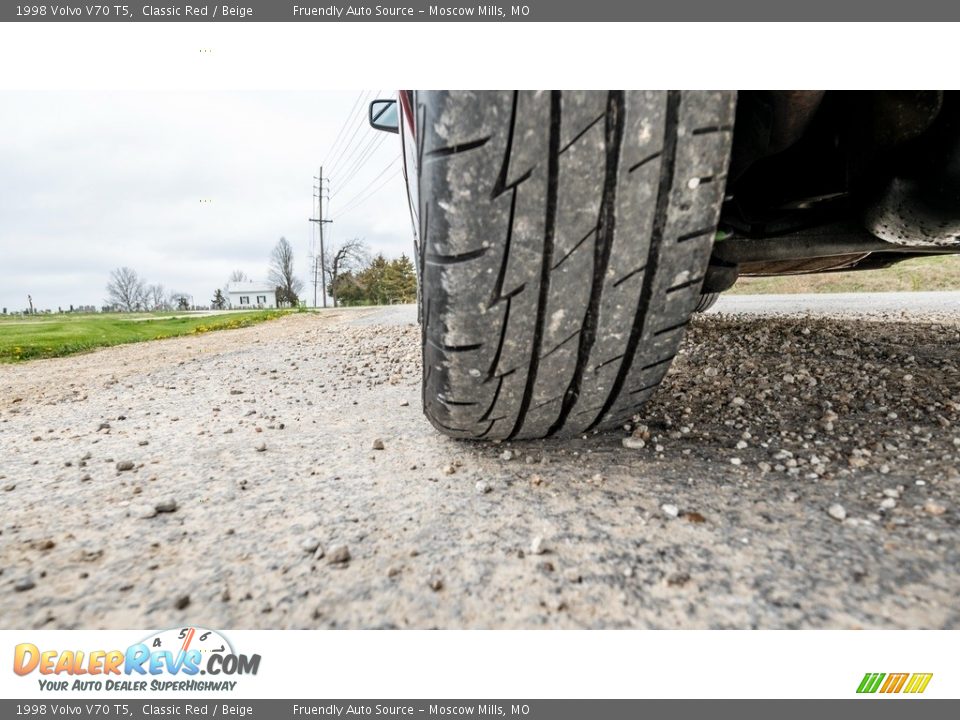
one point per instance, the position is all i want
(930, 273)
(45, 336)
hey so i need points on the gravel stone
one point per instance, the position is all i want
(167, 505)
(837, 512)
(24, 584)
(934, 508)
(310, 545)
(338, 554)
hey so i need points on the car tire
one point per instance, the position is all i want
(564, 238)
(706, 301)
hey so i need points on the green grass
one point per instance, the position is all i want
(940, 272)
(46, 336)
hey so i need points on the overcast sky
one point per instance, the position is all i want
(94, 181)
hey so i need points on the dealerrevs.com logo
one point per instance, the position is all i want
(169, 660)
(889, 683)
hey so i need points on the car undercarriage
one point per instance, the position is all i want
(839, 180)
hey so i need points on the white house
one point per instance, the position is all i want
(249, 295)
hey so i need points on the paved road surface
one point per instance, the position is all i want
(795, 472)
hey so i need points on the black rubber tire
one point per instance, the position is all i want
(564, 240)
(706, 301)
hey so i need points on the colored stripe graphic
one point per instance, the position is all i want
(918, 682)
(895, 682)
(870, 682)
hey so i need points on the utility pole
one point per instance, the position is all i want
(319, 190)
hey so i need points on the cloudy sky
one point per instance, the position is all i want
(94, 181)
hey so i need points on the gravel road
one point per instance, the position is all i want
(792, 472)
(923, 306)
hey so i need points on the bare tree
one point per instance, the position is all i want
(156, 297)
(282, 274)
(126, 290)
(238, 276)
(344, 257)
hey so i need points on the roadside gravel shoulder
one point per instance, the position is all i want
(790, 473)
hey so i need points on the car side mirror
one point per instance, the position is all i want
(384, 116)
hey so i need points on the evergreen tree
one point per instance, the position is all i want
(402, 281)
(374, 280)
(349, 291)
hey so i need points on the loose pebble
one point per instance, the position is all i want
(338, 554)
(309, 545)
(934, 508)
(167, 505)
(670, 510)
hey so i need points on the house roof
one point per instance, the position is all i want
(250, 287)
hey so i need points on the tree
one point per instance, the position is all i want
(282, 274)
(237, 276)
(219, 302)
(126, 290)
(373, 278)
(155, 297)
(181, 301)
(380, 282)
(348, 290)
(341, 258)
(400, 281)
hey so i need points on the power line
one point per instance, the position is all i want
(360, 162)
(342, 127)
(357, 120)
(369, 196)
(347, 157)
(351, 120)
(357, 162)
(353, 206)
(347, 160)
(379, 175)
